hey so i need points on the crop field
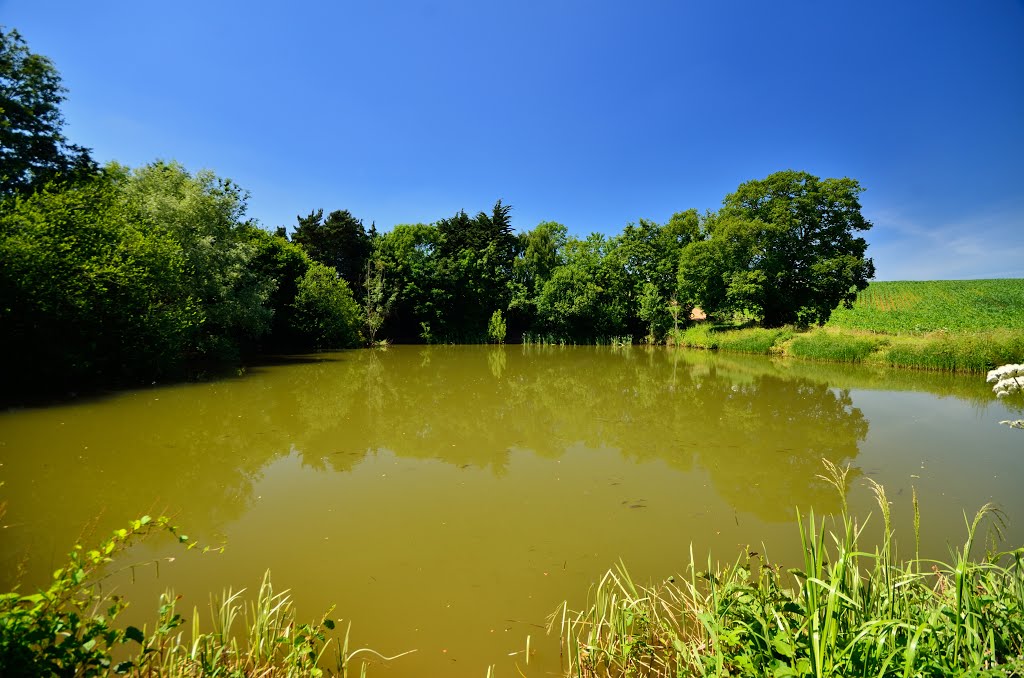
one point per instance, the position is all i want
(920, 307)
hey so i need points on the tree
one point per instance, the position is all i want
(583, 300)
(496, 328)
(325, 312)
(784, 248)
(473, 273)
(408, 253)
(339, 241)
(377, 304)
(202, 214)
(88, 293)
(282, 263)
(33, 148)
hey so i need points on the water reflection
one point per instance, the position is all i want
(436, 492)
(759, 433)
(758, 428)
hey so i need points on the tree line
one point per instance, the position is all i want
(118, 275)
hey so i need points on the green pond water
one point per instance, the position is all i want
(447, 499)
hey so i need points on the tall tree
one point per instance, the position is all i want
(785, 248)
(473, 272)
(339, 241)
(33, 148)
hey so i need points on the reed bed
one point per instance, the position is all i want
(846, 611)
(258, 638)
(977, 352)
(834, 346)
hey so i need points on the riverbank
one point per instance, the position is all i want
(947, 325)
(973, 352)
(847, 610)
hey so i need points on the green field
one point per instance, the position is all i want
(920, 307)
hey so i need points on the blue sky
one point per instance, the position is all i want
(593, 114)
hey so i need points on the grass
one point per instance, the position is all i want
(976, 352)
(259, 638)
(845, 611)
(921, 307)
(834, 346)
(944, 325)
(69, 630)
(756, 340)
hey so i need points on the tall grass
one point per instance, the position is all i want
(727, 338)
(758, 340)
(956, 352)
(846, 611)
(834, 347)
(70, 629)
(261, 638)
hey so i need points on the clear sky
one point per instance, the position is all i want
(590, 113)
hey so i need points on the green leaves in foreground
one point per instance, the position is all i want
(846, 612)
(69, 629)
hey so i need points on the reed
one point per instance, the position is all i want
(950, 352)
(845, 611)
(260, 638)
(834, 346)
(757, 340)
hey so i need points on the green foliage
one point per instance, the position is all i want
(848, 610)
(282, 264)
(339, 241)
(584, 299)
(539, 254)
(920, 307)
(472, 275)
(837, 347)
(325, 311)
(783, 248)
(68, 629)
(496, 328)
(758, 340)
(408, 256)
(89, 290)
(653, 311)
(378, 302)
(698, 336)
(33, 149)
(966, 352)
(202, 214)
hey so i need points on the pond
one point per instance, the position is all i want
(447, 499)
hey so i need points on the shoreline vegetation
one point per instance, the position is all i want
(854, 606)
(944, 325)
(851, 608)
(116, 276)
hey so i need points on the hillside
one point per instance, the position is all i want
(919, 307)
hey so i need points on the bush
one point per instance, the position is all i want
(326, 313)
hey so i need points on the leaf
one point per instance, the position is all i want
(145, 520)
(134, 633)
(329, 623)
(783, 646)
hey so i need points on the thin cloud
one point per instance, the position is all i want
(986, 245)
